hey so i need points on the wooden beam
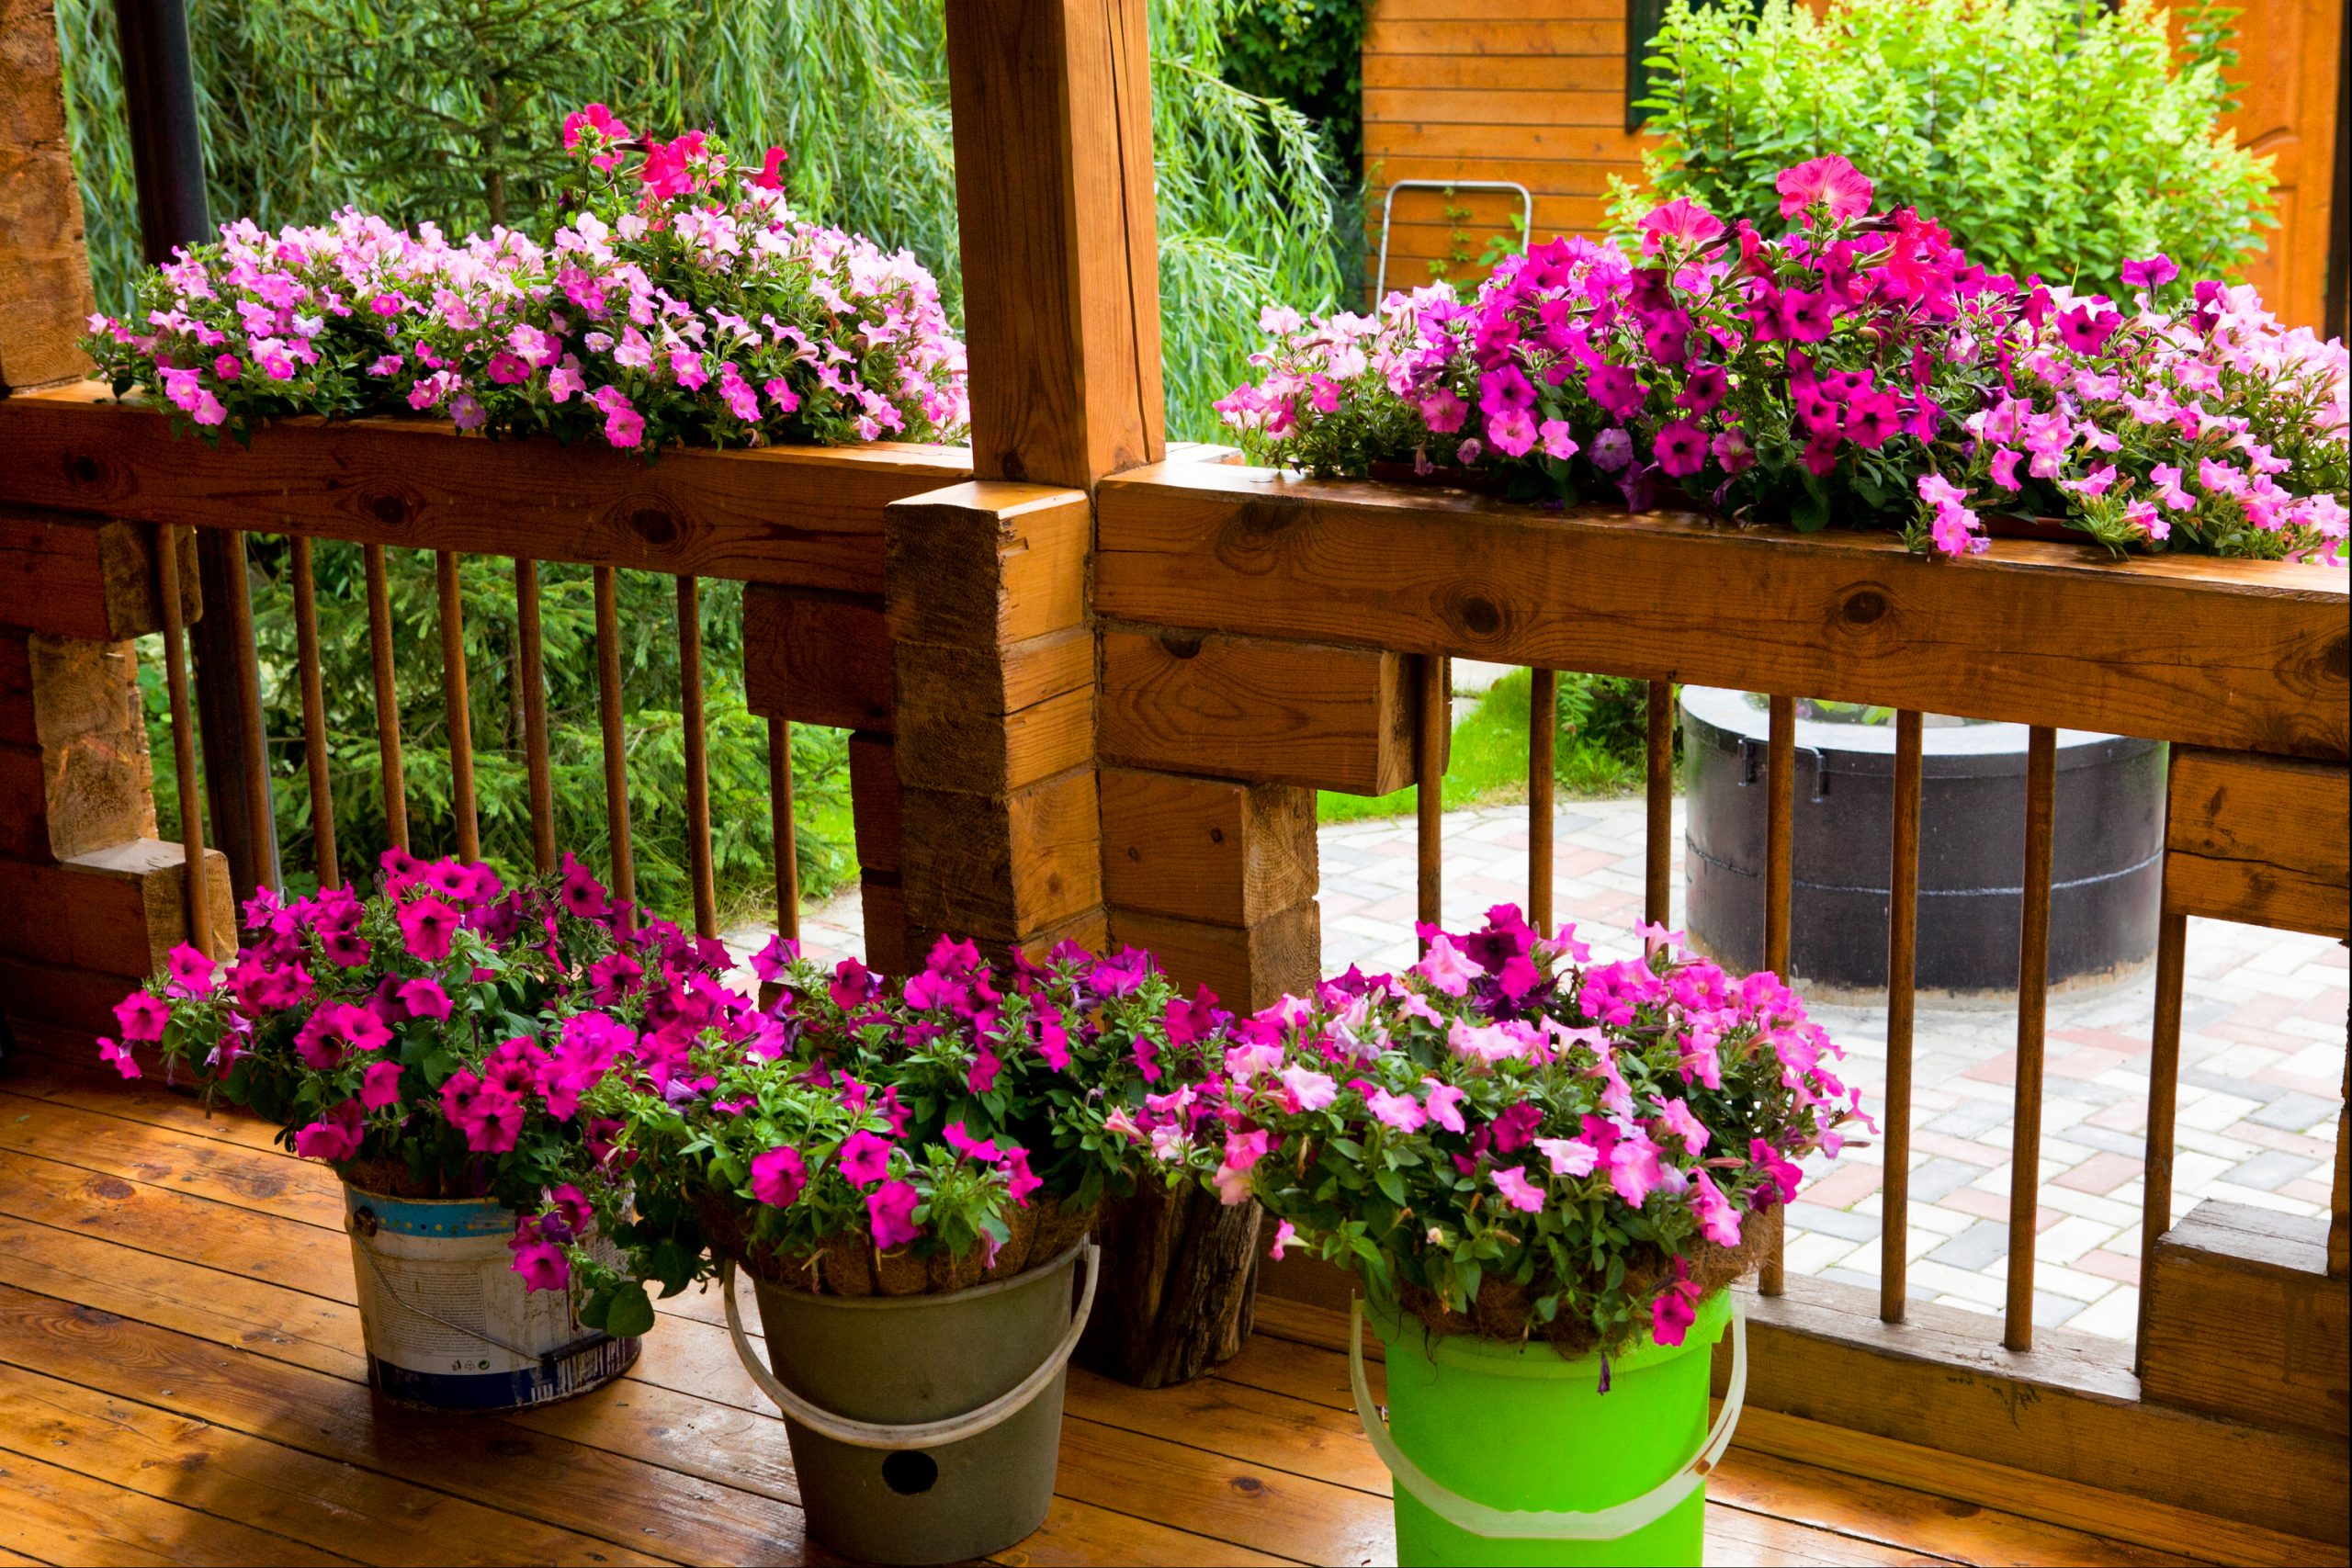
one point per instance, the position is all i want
(1052, 105)
(1329, 717)
(874, 802)
(807, 515)
(1001, 868)
(80, 576)
(2069, 1408)
(1208, 849)
(117, 911)
(1248, 966)
(817, 659)
(2247, 655)
(987, 563)
(96, 781)
(2243, 1320)
(991, 720)
(2259, 839)
(44, 269)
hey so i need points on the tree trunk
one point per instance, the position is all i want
(1179, 1273)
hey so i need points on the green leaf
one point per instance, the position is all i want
(631, 1313)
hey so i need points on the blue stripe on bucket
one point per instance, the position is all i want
(433, 1216)
(505, 1390)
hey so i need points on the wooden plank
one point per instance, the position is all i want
(882, 904)
(1340, 718)
(817, 659)
(2249, 655)
(97, 778)
(63, 1516)
(1542, 177)
(1496, 105)
(1204, 849)
(992, 563)
(2068, 1409)
(874, 802)
(1393, 32)
(1052, 111)
(18, 725)
(295, 1496)
(2242, 1320)
(1484, 73)
(807, 515)
(497, 1462)
(2259, 839)
(32, 990)
(991, 720)
(1248, 967)
(1597, 142)
(1002, 867)
(118, 911)
(44, 270)
(82, 577)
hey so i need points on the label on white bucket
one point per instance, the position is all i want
(449, 1324)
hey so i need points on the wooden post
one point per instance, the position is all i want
(1001, 815)
(44, 271)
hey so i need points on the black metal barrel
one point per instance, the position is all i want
(2108, 856)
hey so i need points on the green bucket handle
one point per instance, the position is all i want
(1520, 1524)
(922, 1434)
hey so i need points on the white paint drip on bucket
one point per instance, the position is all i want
(450, 1325)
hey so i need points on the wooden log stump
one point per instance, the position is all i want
(1179, 1286)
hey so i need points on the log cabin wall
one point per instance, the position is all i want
(1534, 91)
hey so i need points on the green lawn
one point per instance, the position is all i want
(1598, 755)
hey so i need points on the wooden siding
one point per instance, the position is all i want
(1534, 91)
(1525, 90)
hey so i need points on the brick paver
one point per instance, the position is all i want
(2262, 1057)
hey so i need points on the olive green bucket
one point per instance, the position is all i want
(924, 1428)
(1505, 1453)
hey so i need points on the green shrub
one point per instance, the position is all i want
(2050, 136)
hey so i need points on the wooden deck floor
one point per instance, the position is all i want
(181, 1381)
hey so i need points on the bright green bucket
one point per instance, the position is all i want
(1510, 1454)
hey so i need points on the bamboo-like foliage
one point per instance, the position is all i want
(427, 111)
(430, 110)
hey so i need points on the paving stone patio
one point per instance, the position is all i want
(2262, 1060)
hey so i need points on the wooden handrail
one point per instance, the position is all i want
(2243, 655)
(807, 515)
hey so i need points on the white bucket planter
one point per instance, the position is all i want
(448, 1323)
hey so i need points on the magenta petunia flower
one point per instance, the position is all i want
(865, 1158)
(1516, 1191)
(335, 1136)
(426, 926)
(380, 1085)
(1680, 448)
(142, 1017)
(1831, 182)
(890, 1214)
(778, 1176)
(425, 998)
(120, 1056)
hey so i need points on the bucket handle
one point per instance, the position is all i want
(922, 1434)
(1520, 1524)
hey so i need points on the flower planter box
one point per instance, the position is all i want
(807, 515)
(2240, 654)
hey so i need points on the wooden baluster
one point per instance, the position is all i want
(1779, 805)
(2033, 993)
(788, 842)
(1429, 795)
(167, 573)
(608, 703)
(531, 676)
(2163, 1098)
(314, 713)
(388, 697)
(1657, 782)
(1902, 973)
(698, 757)
(253, 755)
(1543, 745)
(457, 707)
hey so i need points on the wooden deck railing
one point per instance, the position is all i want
(2245, 662)
(800, 522)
